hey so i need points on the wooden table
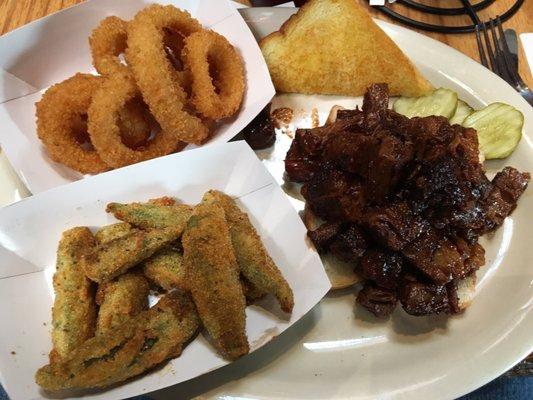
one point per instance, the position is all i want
(521, 22)
(14, 13)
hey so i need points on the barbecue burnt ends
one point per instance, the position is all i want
(405, 200)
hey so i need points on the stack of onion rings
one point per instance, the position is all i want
(178, 77)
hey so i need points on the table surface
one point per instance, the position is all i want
(14, 13)
(521, 22)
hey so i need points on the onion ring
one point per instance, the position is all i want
(79, 128)
(174, 42)
(217, 74)
(59, 114)
(158, 80)
(109, 39)
(107, 42)
(114, 93)
(135, 123)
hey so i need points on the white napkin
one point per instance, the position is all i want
(527, 43)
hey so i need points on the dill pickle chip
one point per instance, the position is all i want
(462, 111)
(499, 129)
(441, 102)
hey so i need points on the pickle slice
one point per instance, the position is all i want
(462, 111)
(439, 102)
(499, 129)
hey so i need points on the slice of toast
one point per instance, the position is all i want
(334, 47)
(466, 290)
(341, 274)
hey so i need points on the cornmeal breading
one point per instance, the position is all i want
(214, 279)
(74, 311)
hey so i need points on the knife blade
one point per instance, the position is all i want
(512, 44)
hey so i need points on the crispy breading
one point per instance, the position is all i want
(251, 292)
(74, 311)
(111, 259)
(163, 201)
(334, 47)
(114, 231)
(107, 42)
(129, 350)
(213, 279)
(121, 299)
(254, 262)
(166, 270)
(159, 82)
(154, 214)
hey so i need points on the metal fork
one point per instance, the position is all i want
(497, 56)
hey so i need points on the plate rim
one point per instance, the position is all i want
(526, 348)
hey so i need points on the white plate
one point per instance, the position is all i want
(334, 353)
(53, 48)
(30, 230)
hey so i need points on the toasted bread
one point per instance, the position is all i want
(334, 47)
(341, 274)
(466, 289)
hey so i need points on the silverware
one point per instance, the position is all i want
(512, 44)
(496, 55)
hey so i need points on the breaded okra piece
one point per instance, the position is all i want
(114, 231)
(165, 269)
(154, 214)
(111, 259)
(251, 292)
(163, 201)
(213, 279)
(121, 299)
(74, 311)
(129, 350)
(254, 262)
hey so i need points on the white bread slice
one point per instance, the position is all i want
(466, 290)
(341, 274)
(334, 47)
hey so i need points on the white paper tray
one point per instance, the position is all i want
(53, 48)
(31, 228)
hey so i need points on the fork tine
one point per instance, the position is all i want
(513, 73)
(482, 56)
(493, 65)
(499, 58)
